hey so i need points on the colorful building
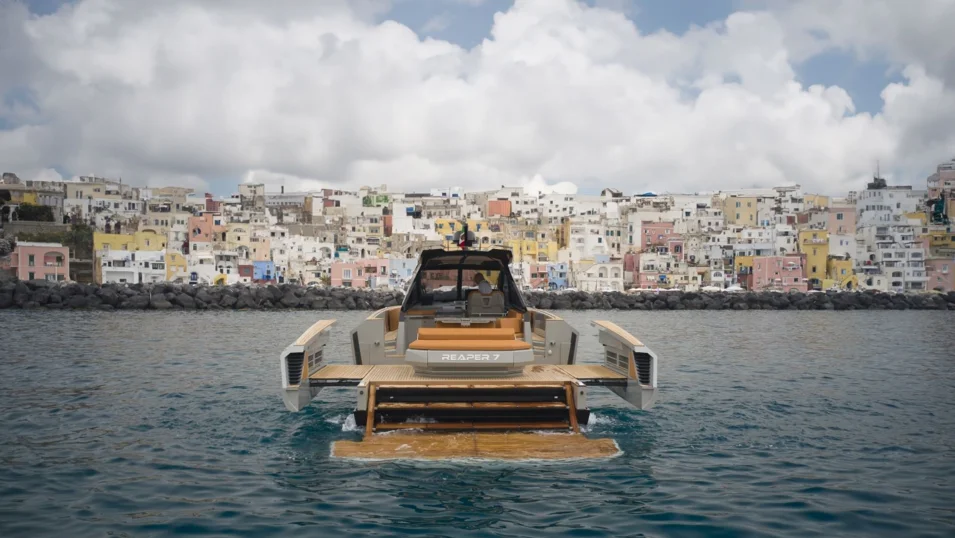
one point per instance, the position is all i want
(348, 275)
(840, 274)
(263, 272)
(941, 273)
(814, 244)
(784, 273)
(39, 261)
(557, 275)
(741, 210)
(661, 237)
(176, 266)
(144, 240)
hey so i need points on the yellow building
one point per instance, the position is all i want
(175, 266)
(839, 274)
(741, 210)
(815, 245)
(448, 227)
(816, 200)
(146, 240)
(743, 264)
(940, 237)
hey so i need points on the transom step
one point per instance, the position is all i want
(470, 407)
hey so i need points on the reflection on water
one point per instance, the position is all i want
(769, 424)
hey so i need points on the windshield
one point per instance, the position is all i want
(448, 278)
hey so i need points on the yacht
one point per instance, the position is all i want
(463, 368)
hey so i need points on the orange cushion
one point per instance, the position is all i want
(469, 345)
(514, 324)
(464, 333)
(391, 320)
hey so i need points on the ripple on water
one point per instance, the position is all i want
(765, 433)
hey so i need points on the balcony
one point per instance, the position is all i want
(815, 241)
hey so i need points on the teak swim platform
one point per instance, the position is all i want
(466, 370)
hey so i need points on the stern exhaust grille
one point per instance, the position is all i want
(294, 363)
(643, 362)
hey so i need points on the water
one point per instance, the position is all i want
(769, 424)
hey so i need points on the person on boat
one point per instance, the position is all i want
(483, 285)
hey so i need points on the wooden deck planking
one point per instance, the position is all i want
(590, 371)
(539, 374)
(478, 445)
(401, 375)
(341, 371)
(472, 405)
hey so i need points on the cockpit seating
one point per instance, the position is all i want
(486, 304)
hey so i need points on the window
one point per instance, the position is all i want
(813, 268)
(30, 276)
(31, 263)
(838, 216)
(346, 274)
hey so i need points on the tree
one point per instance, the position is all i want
(5, 247)
(32, 212)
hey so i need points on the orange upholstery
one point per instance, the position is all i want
(516, 325)
(469, 345)
(464, 333)
(514, 314)
(391, 321)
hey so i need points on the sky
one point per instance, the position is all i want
(573, 96)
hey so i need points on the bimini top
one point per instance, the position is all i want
(445, 276)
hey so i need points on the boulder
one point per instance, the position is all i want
(136, 302)
(159, 302)
(185, 300)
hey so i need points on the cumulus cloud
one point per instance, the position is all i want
(538, 185)
(320, 94)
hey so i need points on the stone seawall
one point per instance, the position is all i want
(48, 295)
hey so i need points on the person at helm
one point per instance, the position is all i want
(482, 284)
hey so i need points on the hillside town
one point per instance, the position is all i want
(886, 238)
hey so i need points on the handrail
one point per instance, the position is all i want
(313, 331)
(617, 331)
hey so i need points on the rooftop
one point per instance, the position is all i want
(32, 244)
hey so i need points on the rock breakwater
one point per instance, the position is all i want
(166, 296)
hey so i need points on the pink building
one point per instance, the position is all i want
(370, 273)
(39, 261)
(941, 273)
(376, 271)
(786, 273)
(538, 275)
(348, 274)
(498, 208)
(661, 237)
(842, 220)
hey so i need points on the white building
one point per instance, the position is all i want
(884, 206)
(598, 276)
(133, 267)
(894, 251)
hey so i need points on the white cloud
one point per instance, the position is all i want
(538, 185)
(318, 94)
